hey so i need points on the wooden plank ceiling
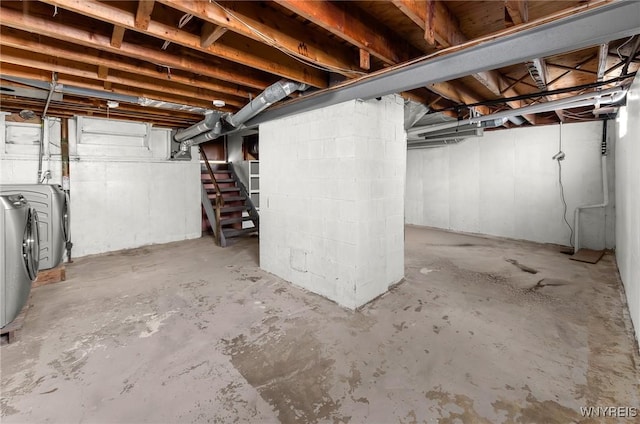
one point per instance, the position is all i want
(194, 52)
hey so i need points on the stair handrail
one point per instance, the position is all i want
(213, 178)
(253, 212)
(219, 199)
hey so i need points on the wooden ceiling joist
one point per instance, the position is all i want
(382, 46)
(31, 42)
(83, 70)
(264, 26)
(518, 10)
(117, 36)
(353, 26)
(58, 30)
(210, 34)
(283, 66)
(143, 14)
(434, 16)
(103, 71)
(43, 75)
(72, 106)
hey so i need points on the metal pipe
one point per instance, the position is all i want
(66, 182)
(269, 96)
(54, 80)
(615, 95)
(105, 95)
(605, 195)
(43, 126)
(207, 124)
(274, 93)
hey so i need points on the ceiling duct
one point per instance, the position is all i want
(438, 140)
(413, 111)
(29, 93)
(103, 95)
(212, 126)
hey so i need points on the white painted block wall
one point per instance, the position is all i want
(121, 196)
(628, 200)
(331, 196)
(506, 184)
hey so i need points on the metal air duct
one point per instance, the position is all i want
(269, 96)
(193, 135)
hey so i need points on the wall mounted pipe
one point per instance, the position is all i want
(66, 181)
(605, 194)
(43, 126)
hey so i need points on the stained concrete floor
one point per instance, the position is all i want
(189, 332)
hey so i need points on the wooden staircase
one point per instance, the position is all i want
(226, 203)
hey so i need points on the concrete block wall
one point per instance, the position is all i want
(332, 196)
(627, 183)
(117, 201)
(506, 184)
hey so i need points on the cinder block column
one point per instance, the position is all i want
(332, 185)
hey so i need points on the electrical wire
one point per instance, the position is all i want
(297, 56)
(621, 46)
(564, 202)
(579, 88)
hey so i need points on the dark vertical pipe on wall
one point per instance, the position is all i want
(66, 186)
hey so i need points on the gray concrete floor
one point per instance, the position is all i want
(189, 332)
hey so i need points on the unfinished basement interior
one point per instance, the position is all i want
(403, 211)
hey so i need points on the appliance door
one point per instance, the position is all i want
(31, 244)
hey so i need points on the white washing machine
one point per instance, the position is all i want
(52, 205)
(19, 252)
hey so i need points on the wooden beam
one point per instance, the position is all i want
(255, 22)
(103, 72)
(458, 94)
(518, 10)
(266, 59)
(117, 36)
(43, 75)
(245, 76)
(31, 42)
(69, 67)
(143, 15)
(354, 27)
(443, 24)
(71, 106)
(210, 34)
(365, 59)
(436, 19)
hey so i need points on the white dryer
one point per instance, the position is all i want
(52, 205)
(19, 252)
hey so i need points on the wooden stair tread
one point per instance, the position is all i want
(232, 232)
(227, 209)
(235, 220)
(234, 198)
